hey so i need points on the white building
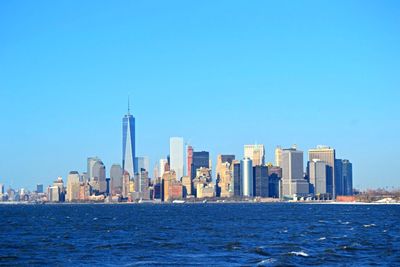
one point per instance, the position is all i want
(293, 182)
(256, 153)
(176, 156)
(73, 186)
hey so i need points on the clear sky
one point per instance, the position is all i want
(219, 73)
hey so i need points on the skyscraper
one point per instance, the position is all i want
(189, 160)
(343, 177)
(116, 179)
(162, 165)
(246, 166)
(128, 144)
(293, 182)
(200, 159)
(73, 186)
(142, 163)
(237, 187)
(327, 155)
(256, 153)
(90, 163)
(176, 155)
(278, 156)
(261, 181)
(318, 174)
(99, 175)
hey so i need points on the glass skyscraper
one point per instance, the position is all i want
(128, 144)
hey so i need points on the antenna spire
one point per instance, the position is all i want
(129, 106)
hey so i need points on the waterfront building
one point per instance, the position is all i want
(53, 194)
(90, 164)
(73, 186)
(187, 186)
(344, 177)
(293, 182)
(116, 174)
(221, 160)
(61, 189)
(176, 156)
(237, 188)
(128, 144)
(189, 160)
(172, 189)
(278, 156)
(203, 176)
(261, 181)
(126, 184)
(200, 160)
(318, 171)
(2, 189)
(327, 155)
(205, 190)
(275, 176)
(39, 188)
(246, 167)
(99, 176)
(256, 153)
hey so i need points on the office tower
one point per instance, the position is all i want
(162, 167)
(189, 161)
(225, 180)
(237, 178)
(142, 183)
(1, 189)
(247, 186)
(327, 155)
(256, 153)
(172, 189)
(187, 186)
(90, 164)
(278, 156)
(128, 144)
(126, 184)
(203, 176)
(176, 154)
(205, 190)
(221, 160)
(261, 181)
(293, 182)
(344, 177)
(200, 160)
(61, 189)
(99, 176)
(318, 171)
(39, 188)
(53, 193)
(142, 163)
(116, 174)
(275, 176)
(73, 186)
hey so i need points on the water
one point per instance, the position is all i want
(200, 234)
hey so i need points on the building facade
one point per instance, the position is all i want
(256, 153)
(128, 144)
(176, 156)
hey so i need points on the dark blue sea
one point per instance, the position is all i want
(200, 234)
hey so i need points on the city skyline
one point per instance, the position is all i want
(230, 75)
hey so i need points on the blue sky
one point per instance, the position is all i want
(219, 73)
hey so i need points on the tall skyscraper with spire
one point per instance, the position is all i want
(128, 144)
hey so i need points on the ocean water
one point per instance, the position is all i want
(200, 234)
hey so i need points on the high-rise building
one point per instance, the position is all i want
(278, 156)
(221, 160)
(344, 177)
(90, 164)
(261, 181)
(126, 182)
(128, 144)
(293, 182)
(53, 193)
(318, 171)
(247, 185)
(200, 160)
(2, 189)
(187, 186)
(39, 188)
(176, 154)
(142, 163)
(237, 173)
(162, 168)
(256, 153)
(99, 176)
(327, 155)
(189, 160)
(275, 176)
(73, 186)
(116, 174)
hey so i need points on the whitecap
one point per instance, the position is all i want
(300, 254)
(322, 239)
(95, 219)
(369, 225)
(266, 262)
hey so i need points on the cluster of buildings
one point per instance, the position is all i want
(188, 174)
